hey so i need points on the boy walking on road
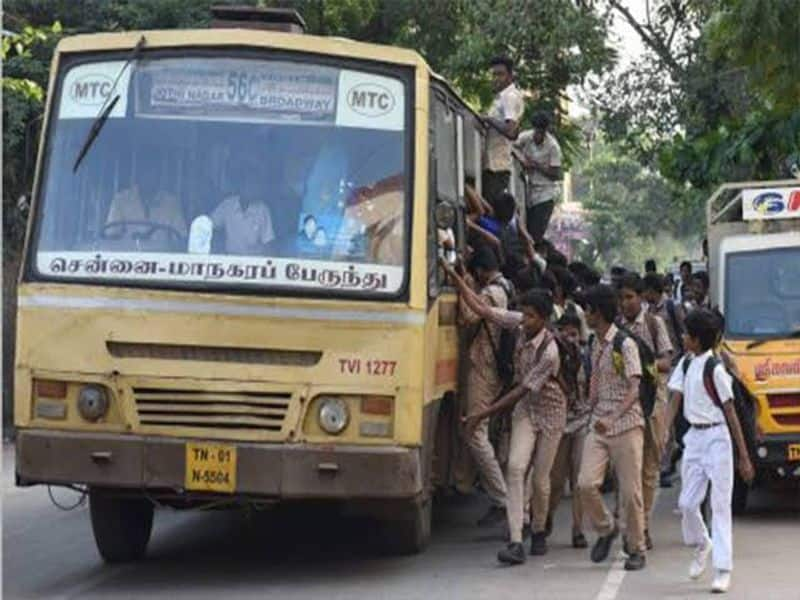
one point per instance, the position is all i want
(706, 389)
(616, 432)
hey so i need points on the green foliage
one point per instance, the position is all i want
(634, 213)
(723, 103)
(25, 58)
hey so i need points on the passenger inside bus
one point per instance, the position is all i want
(244, 217)
(145, 213)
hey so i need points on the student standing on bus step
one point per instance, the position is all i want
(502, 122)
(539, 412)
(484, 384)
(708, 457)
(616, 431)
(653, 332)
(542, 159)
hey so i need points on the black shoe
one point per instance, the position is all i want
(647, 541)
(494, 516)
(513, 554)
(579, 540)
(666, 481)
(603, 546)
(626, 548)
(635, 562)
(539, 544)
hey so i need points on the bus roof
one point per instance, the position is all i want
(182, 38)
(232, 37)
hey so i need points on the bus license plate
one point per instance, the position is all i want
(211, 467)
(793, 451)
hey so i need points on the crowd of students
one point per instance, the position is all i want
(577, 371)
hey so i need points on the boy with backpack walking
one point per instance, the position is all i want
(652, 331)
(616, 433)
(567, 464)
(539, 415)
(704, 388)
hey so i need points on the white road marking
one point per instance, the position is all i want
(616, 574)
(104, 573)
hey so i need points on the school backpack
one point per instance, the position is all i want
(570, 362)
(503, 351)
(648, 383)
(708, 377)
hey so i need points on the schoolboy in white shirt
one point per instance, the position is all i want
(705, 386)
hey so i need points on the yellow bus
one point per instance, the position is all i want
(230, 293)
(754, 265)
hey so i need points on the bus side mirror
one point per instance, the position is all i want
(445, 215)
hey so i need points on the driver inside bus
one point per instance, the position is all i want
(244, 216)
(144, 212)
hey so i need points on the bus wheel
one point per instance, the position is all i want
(411, 533)
(121, 526)
(740, 491)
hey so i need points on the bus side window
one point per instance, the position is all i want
(445, 170)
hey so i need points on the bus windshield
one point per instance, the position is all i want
(229, 172)
(762, 293)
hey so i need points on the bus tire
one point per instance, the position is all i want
(121, 526)
(740, 492)
(411, 533)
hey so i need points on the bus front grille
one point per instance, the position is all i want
(165, 408)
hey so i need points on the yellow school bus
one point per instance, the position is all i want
(230, 293)
(754, 264)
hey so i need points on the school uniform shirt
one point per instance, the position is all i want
(580, 409)
(540, 187)
(608, 388)
(545, 401)
(698, 406)
(247, 230)
(507, 105)
(662, 311)
(481, 351)
(656, 337)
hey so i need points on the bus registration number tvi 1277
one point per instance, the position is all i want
(210, 467)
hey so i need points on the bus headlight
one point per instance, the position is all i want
(333, 415)
(92, 402)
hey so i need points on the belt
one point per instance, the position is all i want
(705, 425)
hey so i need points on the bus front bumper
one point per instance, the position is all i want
(273, 471)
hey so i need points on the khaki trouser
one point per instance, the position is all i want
(567, 465)
(651, 457)
(480, 394)
(624, 451)
(528, 447)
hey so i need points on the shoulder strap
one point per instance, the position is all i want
(619, 339)
(652, 326)
(708, 380)
(685, 365)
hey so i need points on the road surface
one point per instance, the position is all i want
(49, 553)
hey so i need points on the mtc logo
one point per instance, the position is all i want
(370, 100)
(91, 89)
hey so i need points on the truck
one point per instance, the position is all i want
(754, 268)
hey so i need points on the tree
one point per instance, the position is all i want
(624, 201)
(715, 97)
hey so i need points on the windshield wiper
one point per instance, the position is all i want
(107, 107)
(772, 338)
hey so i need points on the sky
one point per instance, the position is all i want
(625, 40)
